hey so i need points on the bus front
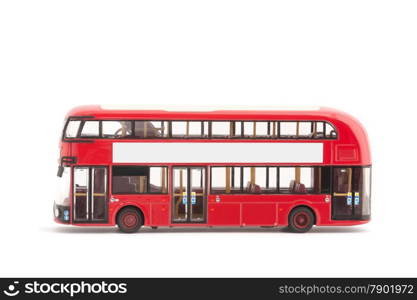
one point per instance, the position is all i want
(62, 198)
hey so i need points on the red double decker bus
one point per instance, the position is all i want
(152, 167)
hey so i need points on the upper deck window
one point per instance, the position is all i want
(330, 132)
(90, 129)
(140, 129)
(295, 130)
(151, 129)
(220, 129)
(255, 129)
(189, 129)
(116, 129)
(72, 128)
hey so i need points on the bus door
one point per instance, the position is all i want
(89, 195)
(189, 195)
(345, 193)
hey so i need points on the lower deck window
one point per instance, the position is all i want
(139, 180)
(270, 180)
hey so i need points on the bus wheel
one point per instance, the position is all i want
(129, 220)
(301, 220)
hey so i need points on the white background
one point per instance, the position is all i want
(358, 56)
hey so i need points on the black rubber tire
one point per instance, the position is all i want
(129, 220)
(300, 220)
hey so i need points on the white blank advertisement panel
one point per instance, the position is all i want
(192, 152)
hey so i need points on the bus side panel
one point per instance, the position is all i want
(261, 210)
(98, 152)
(159, 214)
(223, 214)
(259, 214)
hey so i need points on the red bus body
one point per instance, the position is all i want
(349, 150)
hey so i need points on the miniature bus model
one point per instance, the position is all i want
(152, 167)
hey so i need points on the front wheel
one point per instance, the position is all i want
(129, 220)
(300, 220)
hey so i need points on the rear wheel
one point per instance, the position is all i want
(301, 220)
(129, 220)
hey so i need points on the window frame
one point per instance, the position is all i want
(67, 123)
(81, 127)
(147, 182)
(227, 136)
(278, 187)
(132, 127)
(75, 118)
(190, 137)
(135, 137)
(90, 185)
(239, 122)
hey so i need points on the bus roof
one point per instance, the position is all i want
(210, 113)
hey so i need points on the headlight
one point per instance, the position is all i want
(56, 212)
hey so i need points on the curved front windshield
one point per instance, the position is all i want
(63, 188)
(72, 129)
